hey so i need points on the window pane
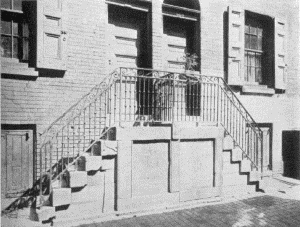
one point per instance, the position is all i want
(259, 31)
(17, 4)
(15, 48)
(246, 58)
(5, 27)
(258, 77)
(253, 30)
(25, 49)
(15, 28)
(6, 4)
(6, 46)
(246, 29)
(253, 42)
(259, 43)
(247, 41)
(248, 73)
(252, 76)
(252, 59)
(25, 30)
(258, 60)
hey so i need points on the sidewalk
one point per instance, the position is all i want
(279, 206)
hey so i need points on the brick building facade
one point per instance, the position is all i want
(54, 52)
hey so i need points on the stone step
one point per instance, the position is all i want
(43, 213)
(108, 147)
(80, 211)
(108, 164)
(245, 166)
(228, 143)
(255, 176)
(231, 168)
(77, 178)
(238, 190)
(237, 154)
(226, 157)
(95, 178)
(87, 194)
(61, 196)
(234, 179)
(89, 163)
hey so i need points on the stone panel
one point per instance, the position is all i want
(197, 165)
(149, 168)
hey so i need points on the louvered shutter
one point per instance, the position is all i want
(236, 24)
(280, 54)
(51, 34)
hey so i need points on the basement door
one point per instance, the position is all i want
(127, 38)
(16, 162)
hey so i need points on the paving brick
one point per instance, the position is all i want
(257, 211)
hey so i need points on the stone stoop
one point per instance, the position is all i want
(89, 185)
(238, 179)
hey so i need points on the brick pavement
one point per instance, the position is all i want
(266, 210)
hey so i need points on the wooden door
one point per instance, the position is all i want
(125, 33)
(16, 161)
(175, 38)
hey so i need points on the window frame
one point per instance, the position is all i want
(248, 50)
(13, 16)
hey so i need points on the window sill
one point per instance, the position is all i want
(14, 67)
(257, 89)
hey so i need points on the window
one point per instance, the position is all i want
(14, 30)
(253, 52)
(256, 51)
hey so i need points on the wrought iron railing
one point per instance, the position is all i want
(140, 96)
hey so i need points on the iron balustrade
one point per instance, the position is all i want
(145, 96)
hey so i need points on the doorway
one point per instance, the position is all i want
(128, 38)
(17, 159)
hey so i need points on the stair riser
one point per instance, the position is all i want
(87, 194)
(235, 179)
(78, 179)
(231, 168)
(61, 196)
(228, 143)
(237, 190)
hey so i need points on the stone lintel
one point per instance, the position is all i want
(143, 133)
(182, 131)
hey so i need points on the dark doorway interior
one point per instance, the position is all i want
(291, 153)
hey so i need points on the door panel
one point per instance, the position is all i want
(17, 161)
(125, 31)
(176, 43)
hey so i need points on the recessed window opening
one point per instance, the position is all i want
(258, 49)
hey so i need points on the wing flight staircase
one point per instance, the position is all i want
(142, 96)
